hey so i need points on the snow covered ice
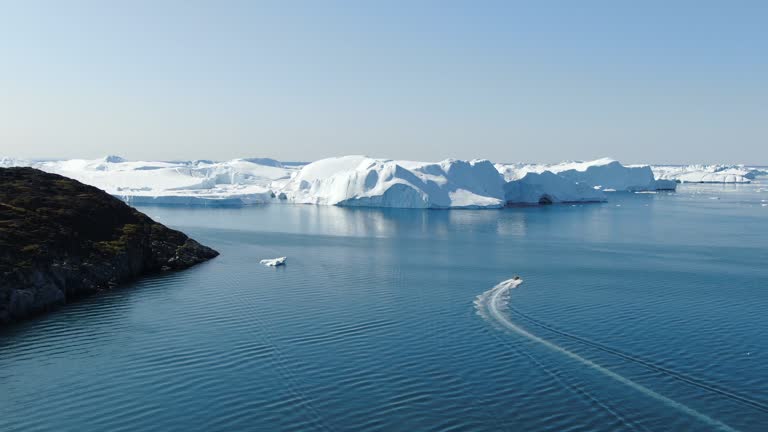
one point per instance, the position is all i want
(356, 181)
(549, 188)
(234, 182)
(604, 174)
(359, 181)
(708, 173)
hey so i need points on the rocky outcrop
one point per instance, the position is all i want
(61, 239)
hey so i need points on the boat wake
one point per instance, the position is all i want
(492, 305)
(648, 365)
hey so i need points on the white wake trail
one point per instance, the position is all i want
(490, 304)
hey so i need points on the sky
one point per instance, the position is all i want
(538, 81)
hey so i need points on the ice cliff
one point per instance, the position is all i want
(362, 181)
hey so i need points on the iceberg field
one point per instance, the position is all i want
(235, 182)
(354, 181)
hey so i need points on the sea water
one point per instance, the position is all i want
(644, 313)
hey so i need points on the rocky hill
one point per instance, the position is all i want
(61, 239)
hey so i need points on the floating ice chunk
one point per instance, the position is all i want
(274, 262)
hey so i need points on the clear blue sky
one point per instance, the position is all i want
(641, 81)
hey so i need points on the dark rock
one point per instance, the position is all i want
(61, 239)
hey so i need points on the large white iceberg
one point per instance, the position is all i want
(365, 182)
(362, 181)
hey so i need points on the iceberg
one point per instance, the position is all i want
(708, 173)
(208, 183)
(7, 162)
(608, 174)
(605, 174)
(359, 181)
(549, 188)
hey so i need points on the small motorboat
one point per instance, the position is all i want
(273, 262)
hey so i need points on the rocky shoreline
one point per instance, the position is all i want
(61, 239)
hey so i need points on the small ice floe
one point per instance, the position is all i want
(274, 262)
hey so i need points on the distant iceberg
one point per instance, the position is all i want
(604, 174)
(609, 174)
(205, 183)
(7, 162)
(708, 173)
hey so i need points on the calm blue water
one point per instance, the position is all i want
(373, 326)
